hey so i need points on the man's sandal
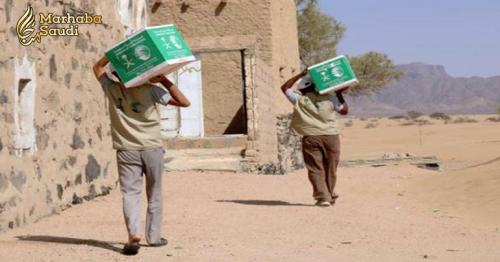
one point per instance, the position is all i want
(131, 249)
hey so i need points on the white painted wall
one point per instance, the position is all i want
(170, 115)
(24, 106)
(190, 83)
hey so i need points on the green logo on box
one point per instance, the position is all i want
(146, 50)
(332, 75)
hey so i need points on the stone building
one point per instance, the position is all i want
(246, 50)
(55, 143)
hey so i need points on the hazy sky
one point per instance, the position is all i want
(462, 35)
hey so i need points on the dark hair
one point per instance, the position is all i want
(116, 75)
(309, 89)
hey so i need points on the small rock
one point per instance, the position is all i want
(76, 199)
(392, 156)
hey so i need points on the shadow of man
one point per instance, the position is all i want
(263, 203)
(74, 241)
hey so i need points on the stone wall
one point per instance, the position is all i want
(219, 33)
(266, 29)
(266, 121)
(285, 46)
(289, 152)
(208, 19)
(272, 147)
(55, 144)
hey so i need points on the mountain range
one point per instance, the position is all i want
(428, 89)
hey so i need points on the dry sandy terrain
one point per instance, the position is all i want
(393, 213)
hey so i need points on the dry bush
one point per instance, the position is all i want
(423, 122)
(371, 125)
(408, 123)
(399, 117)
(414, 114)
(349, 123)
(439, 115)
(464, 120)
(493, 119)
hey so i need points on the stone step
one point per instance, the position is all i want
(203, 152)
(220, 164)
(227, 141)
(220, 159)
(220, 153)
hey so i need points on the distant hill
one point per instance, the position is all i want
(428, 89)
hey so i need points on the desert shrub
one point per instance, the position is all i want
(371, 125)
(422, 122)
(362, 119)
(464, 120)
(349, 123)
(414, 114)
(493, 119)
(439, 115)
(398, 117)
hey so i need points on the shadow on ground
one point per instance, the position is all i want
(264, 203)
(74, 241)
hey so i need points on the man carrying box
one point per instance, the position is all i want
(314, 119)
(135, 129)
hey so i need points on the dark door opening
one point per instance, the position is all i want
(223, 93)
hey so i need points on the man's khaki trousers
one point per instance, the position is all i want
(321, 156)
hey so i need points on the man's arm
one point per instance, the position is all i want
(99, 69)
(288, 84)
(344, 108)
(178, 98)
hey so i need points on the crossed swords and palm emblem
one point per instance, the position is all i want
(26, 27)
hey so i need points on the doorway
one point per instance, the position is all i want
(223, 93)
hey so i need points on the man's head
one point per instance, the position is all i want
(305, 85)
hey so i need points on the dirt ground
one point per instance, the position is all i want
(393, 213)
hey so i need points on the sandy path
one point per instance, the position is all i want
(382, 215)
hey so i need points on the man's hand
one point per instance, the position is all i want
(289, 84)
(99, 69)
(344, 108)
(178, 98)
(158, 79)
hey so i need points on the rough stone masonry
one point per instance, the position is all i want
(55, 145)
